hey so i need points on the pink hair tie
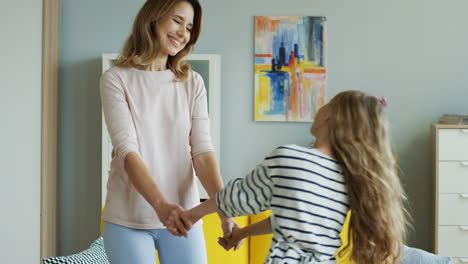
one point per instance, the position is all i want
(383, 101)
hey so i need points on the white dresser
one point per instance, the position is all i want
(451, 191)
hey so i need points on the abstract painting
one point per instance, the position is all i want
(290, 73)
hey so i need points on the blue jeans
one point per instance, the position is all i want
(126, 245)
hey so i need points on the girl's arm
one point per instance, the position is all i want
(260, 228)
(243, 196)
(238, 234)
(205, 208)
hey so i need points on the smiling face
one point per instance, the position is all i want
(174, 29)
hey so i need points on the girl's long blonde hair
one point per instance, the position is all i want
(142, 46)
(360, 139)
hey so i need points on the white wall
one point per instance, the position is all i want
(20, 113)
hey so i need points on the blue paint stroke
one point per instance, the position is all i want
(283, 43)
(314, 29)
(279, 90)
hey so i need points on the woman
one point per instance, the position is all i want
(310, 191)
(156, 113)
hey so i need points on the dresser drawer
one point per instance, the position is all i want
(453, 241)
(453, 209)
(453, 144)
(453, 176)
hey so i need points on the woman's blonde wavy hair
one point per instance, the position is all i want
(142, 46)
(360, 139)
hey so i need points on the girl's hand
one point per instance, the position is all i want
(173, 217)
(233, 241)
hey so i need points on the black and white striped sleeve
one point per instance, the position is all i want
(249, 195)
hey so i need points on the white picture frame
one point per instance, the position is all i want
(209, 67)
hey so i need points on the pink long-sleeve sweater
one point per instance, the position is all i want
(166, 123)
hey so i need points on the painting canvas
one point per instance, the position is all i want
(290, 72)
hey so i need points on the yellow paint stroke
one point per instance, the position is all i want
(262, 95)
(300, 105)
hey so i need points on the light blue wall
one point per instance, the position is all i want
(20, 116)
(413, 52)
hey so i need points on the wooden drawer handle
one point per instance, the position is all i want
(464, 163)
(463, 228)
(464, 195)
(463, 260)
(464, 130)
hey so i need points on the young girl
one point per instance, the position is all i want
(156, 113)
(310, 191)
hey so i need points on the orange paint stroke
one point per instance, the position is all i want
(315, 70)
(292, 106)
(265, 23)
(264, 55)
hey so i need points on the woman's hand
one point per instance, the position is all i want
(229, 227)
(174, 219)
(235, 240)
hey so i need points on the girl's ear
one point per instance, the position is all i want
(327, 113)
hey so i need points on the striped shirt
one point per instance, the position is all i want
(306, 192)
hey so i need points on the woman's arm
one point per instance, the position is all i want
(167, 212)
(202, 150)
(206, 168)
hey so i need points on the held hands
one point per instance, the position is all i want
(230, 232)
(174, 218)
(235, 240)
(179, 222)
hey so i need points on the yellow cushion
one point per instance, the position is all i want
(217, 254)
(259, 245)
(345, 259)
